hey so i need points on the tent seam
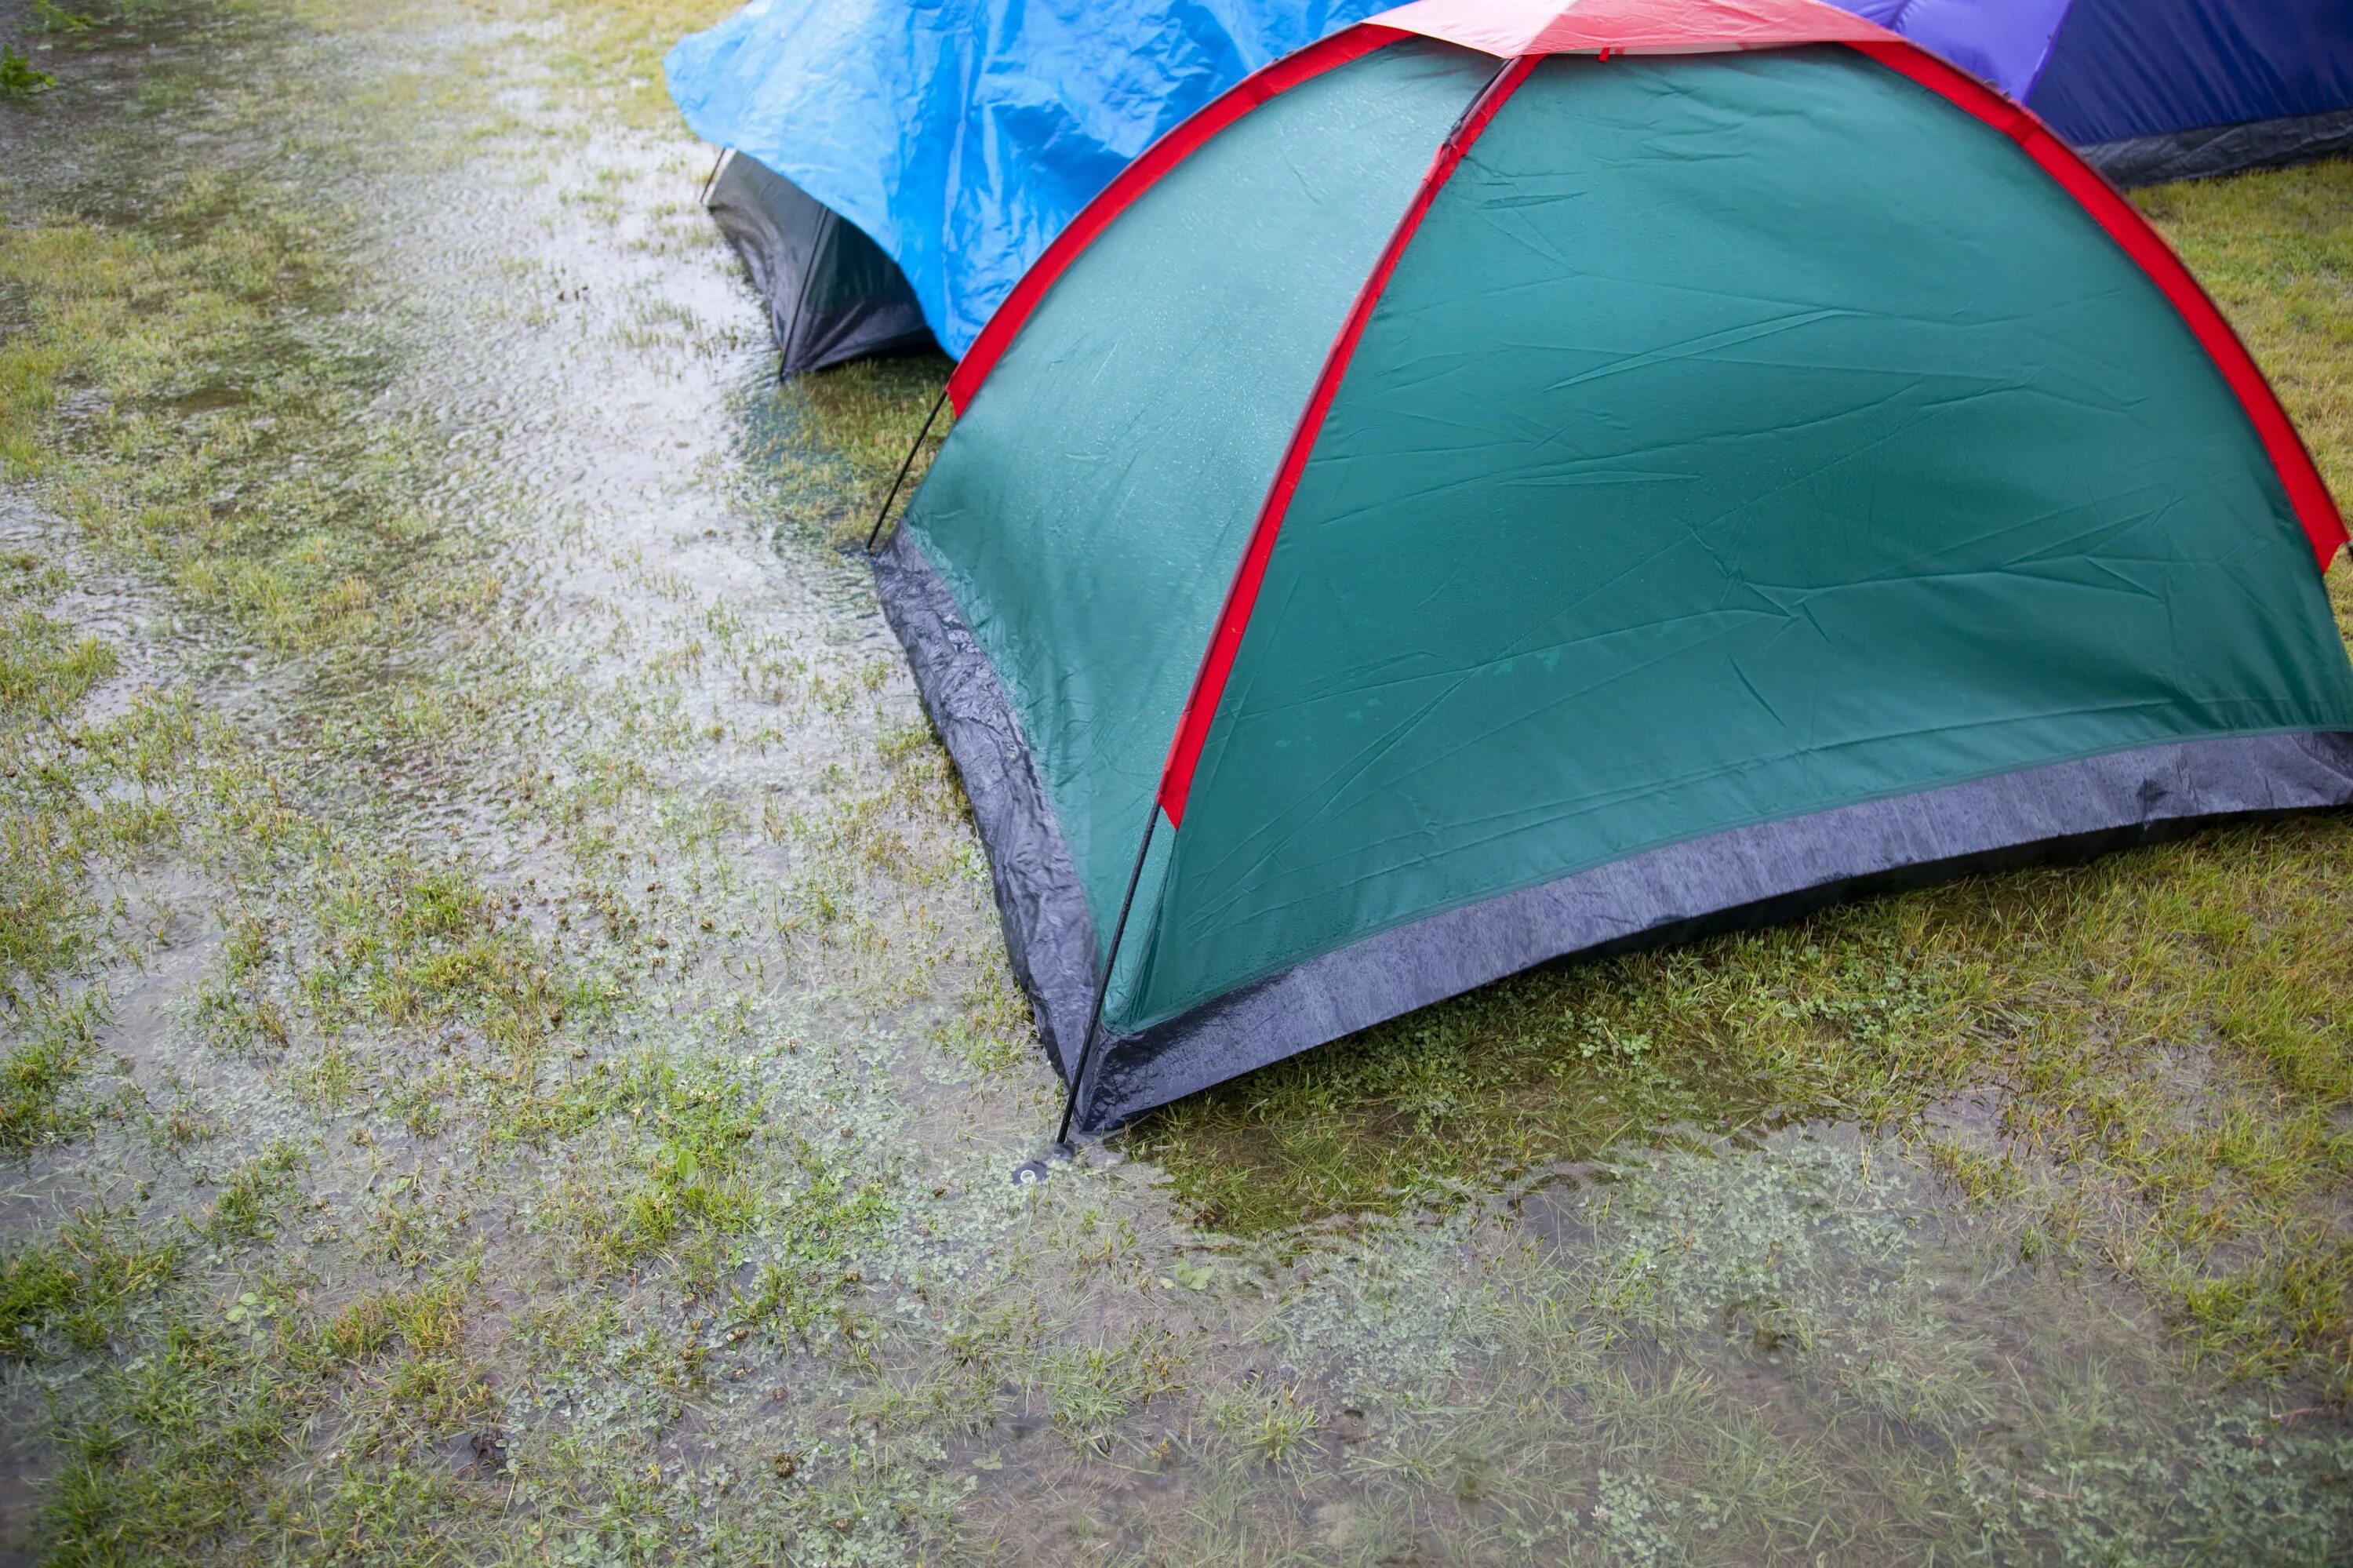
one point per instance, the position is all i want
(1241, 597)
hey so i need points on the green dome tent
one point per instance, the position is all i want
(1520, 480)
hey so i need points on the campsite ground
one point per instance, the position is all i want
(508, 1054)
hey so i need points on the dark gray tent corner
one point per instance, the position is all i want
(832, 294)
(1049, 934)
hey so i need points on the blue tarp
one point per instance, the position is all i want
(2103, 70)
(962, 134)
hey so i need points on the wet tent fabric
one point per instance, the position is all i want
(1462, 512)
(961, 135)
(1795, 479)
(2156, 90)
(831, 293)
(1209, 310)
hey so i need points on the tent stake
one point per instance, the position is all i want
(1103, 987)
(876, 532)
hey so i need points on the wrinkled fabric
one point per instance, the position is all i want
(2103, 71)
(2221, 149)
(1048, 934)
(831, 294)
(961, 135)
(1674, 483)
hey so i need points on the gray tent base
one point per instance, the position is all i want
(1746, 876)
(2224, 149)
(832, 294)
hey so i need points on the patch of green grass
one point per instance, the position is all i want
(63, 800)
(78, 1283)
(691, 1128)
(55, 18)
(48, 919)
(184, 338)
(38, 1073)
(174, 1449)
(44, 670)
(247, 1211)
(425, 1319)
(416, 945)
(17, 76)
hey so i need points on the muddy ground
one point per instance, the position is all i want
(508, 1055)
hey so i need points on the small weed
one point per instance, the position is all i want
(17, 76)
(1093, 1388)
(1271, 1421)
(246, 1213)
(55, 18)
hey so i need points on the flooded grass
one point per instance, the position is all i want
(506, 1053)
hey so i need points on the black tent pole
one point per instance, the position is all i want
(1103, 987)
(876, 532)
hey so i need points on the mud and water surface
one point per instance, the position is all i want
(509, 1055)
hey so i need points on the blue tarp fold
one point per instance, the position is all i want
(962, 134)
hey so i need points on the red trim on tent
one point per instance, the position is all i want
(1506, 28)
(2323, 525)
(1210, 686)
(1005, 321)
(1515, 27)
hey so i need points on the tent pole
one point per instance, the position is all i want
(1103, 989)
(708, 179)
(876, 532)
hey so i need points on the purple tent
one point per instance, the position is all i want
(2156, 90)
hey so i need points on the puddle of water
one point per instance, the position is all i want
(607, 947)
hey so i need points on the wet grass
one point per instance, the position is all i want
(2159, 1040)
(508, 1054)
(254, 492)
